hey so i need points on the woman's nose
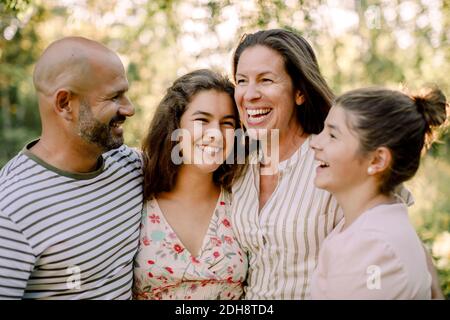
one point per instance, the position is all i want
(252, 92)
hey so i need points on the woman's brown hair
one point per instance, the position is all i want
(160, 172)
(402, 123)
(301, 65)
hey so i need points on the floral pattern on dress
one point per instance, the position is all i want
(165, 269)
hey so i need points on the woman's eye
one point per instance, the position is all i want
(267, 80)
(240, 81)
(332, 136)
(201, 120)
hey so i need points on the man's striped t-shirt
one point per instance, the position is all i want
(69, 236)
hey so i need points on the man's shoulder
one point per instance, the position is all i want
(11, 174)
(126, 155)
(13, 166)
(123, 151)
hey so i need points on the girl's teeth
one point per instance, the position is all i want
(209, 150)
(323, 164)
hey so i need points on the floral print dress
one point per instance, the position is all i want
(165, 269)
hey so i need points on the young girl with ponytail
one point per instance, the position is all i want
(372, 142)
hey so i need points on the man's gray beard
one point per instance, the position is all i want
(93, 131)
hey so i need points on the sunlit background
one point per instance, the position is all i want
(358, 43)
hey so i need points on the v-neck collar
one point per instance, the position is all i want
(204, 242)
(284, 167)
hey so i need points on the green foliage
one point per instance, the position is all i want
(15, 6)
(160, 40)
(431, 213)
(19, 118)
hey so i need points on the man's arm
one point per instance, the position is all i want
(16, 260)
(436, 292)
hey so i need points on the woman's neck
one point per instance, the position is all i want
(283, 145)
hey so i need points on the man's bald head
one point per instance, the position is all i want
(70, 63)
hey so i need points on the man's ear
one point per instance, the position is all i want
(299, 98)
(380, 162)
(64, 100)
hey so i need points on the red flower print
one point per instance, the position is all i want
(178, 248)
(145, 241)
(228, 239)
(226, 223)
(154, 218)
(151, 262)
(230, 270)
(216, 254)
(150, 275)
(222, 203)
(230, 279)
(169, 269)
(216, 241)
(194, 260)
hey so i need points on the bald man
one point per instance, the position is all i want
(70, 201)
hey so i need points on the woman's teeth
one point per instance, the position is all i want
(254, 112)
(258, 115)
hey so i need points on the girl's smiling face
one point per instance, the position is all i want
(341, 166)
(208, 130)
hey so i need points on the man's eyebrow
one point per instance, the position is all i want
(118, 92)
(123, 90)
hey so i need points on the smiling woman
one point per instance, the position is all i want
(187, 248)
(281, 219)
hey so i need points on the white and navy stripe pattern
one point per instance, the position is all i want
(283, 240)
(57, 228)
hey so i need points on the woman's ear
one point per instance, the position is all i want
(380, 162)
(64, 104)
(299, 98)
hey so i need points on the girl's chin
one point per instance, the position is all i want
(320, 184)
(207, 168)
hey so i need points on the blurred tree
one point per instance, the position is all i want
(358, 43)
(19, 117)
